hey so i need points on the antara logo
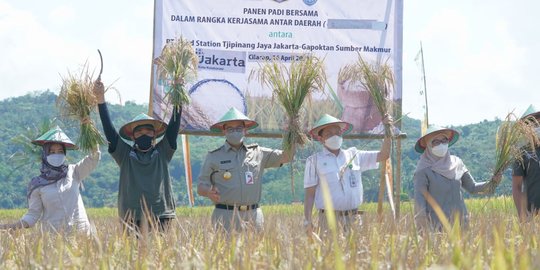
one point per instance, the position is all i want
(310, 2)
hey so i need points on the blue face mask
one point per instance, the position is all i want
(235, 137)
(56, 160)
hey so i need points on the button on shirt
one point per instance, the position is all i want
(59, 205)
(240, 188)
(342, 173)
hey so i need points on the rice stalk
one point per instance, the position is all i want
(176, 66)
(291, 86)
(513, 139)
(378, 79)
(77, 101)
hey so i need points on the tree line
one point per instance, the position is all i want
(24, 116)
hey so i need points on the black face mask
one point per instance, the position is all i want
(143, 142)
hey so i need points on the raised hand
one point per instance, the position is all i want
(99, 91)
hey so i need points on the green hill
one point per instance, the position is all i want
(24, 115)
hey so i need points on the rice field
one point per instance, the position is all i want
(493, 240)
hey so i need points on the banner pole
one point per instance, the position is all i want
(151, 96)
(187, 168)
(398, 176)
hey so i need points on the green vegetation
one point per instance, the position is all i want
(32, 111)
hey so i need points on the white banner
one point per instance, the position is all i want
(233, 37)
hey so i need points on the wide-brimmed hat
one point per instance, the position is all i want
(531, 111)
(327, 120)
(233, 114)
(126, 131)
(432, 131)
(55, 135)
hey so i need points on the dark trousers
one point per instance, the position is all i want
(138, 226)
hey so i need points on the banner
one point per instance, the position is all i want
(232, 38)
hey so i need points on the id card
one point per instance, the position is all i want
(352, 180)
(249, 178)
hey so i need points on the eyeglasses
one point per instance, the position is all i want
(234, 129)
(437, 142)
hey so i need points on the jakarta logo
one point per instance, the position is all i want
(310, 2)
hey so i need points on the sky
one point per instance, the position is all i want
(480, 60)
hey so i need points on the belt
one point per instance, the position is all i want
(237, 207)
(342, 213)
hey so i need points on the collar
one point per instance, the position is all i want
(327, 152)
(229, 147)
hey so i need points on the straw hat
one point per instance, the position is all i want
(432, 131)
(327, 120)
(55, 135)
(142, 119)
(233, 114)
(531, 111)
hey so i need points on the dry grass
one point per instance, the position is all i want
(514, 138)
(494, 240)
(176, 66)
(293, 84)
(77, 101)
(271, 117)
(377, 78)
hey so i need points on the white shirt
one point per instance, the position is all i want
(59, 205)
(348, 166)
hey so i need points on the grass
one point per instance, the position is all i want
(292, 85)
(272, 118)
(77, 101)
(177, 65)
(494, 239)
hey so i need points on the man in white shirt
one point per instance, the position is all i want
(341, 170)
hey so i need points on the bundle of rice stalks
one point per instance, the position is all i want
(378, 79)
(177, 65)
(513, 139)
(291, 86)
(77, 101)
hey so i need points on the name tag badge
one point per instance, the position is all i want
(249, 178)
(352, 179)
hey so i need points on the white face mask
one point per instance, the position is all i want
(334, 142)
(440, 150)
(56, 160)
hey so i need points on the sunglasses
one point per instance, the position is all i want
(439, 141)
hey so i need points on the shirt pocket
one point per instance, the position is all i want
(225, 175)
(328, 173)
